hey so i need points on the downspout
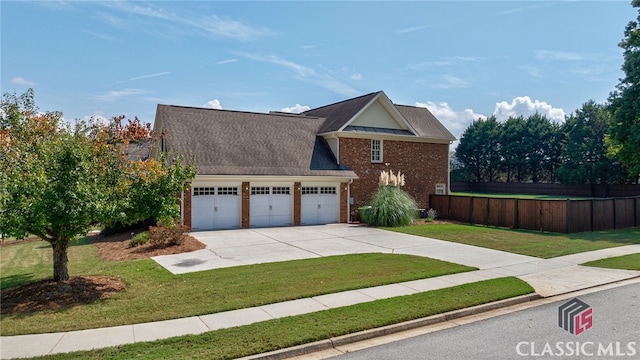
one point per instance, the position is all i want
(182, 207)
(349, 201)
(448, 169)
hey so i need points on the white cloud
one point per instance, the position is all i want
(558, 55)
(213, 104)
(297, 109)
(450, 82)
(228, 61)
(98, 118)
(211, 26)
(307, 74)
(22, 81)
(356, 76)
(414, 28)
(454, 121)
(113, 95)
(523, 105)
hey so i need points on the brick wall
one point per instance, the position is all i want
(423, 164)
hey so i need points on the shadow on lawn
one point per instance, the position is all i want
(621, 236)
(15, 280)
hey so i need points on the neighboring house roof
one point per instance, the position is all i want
(420, 121)
(225, 142)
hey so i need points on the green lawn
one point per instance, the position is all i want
(532, 243)
(625, 262)
(154, 294)
(290, 331)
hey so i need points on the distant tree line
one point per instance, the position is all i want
(598, 144)
(535, 149)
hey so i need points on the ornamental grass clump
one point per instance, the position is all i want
(390, 205)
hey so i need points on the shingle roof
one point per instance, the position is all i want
(339, 113)
(425, 124)
(226, 142)
(421, 119)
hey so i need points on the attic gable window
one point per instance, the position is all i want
(376, 151)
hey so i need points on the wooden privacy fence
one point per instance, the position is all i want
(563, 216)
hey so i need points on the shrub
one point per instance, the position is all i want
(432, 214)
(390, 206)
(139, 239)
(162, 236)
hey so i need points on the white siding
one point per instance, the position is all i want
(377, 116)
(333, 144)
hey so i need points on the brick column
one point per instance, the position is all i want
(344, 203)
(246, 204)
(186, 206)
(297, 205)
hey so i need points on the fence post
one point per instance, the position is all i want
(516, 220)
(471, 210)
(488, 211)
(615, 216)
(592, 219)
(568, 216)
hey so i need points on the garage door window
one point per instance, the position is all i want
(204, 191)
(259, 190)
(309, 190)
(328, 190)
(281, 190)
(228, 191)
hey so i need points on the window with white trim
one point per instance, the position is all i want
(328, 190)
(376, 151)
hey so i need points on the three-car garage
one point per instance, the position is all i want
(220, 206)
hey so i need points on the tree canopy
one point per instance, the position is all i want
(58, 180)
(624, 138)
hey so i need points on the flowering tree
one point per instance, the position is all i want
(58, 180)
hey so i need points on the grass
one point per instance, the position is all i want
(154, 294)
(531, 243)
(285, 332)
(625, 262)
(518, 196)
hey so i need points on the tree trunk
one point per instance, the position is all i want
(60, 260)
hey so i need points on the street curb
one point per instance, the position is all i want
(389, 329)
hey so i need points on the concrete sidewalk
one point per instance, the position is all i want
(549, 277)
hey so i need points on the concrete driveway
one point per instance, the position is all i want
(227, 248)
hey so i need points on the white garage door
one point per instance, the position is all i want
(319, 205)
(270, 206)
(215, 208)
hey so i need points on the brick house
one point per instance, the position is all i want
(317, 167)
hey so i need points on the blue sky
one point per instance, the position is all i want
(460, 59)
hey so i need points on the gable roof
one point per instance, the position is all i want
(226, 142)
(419, 121)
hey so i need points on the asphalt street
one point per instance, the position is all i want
(532, 333)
